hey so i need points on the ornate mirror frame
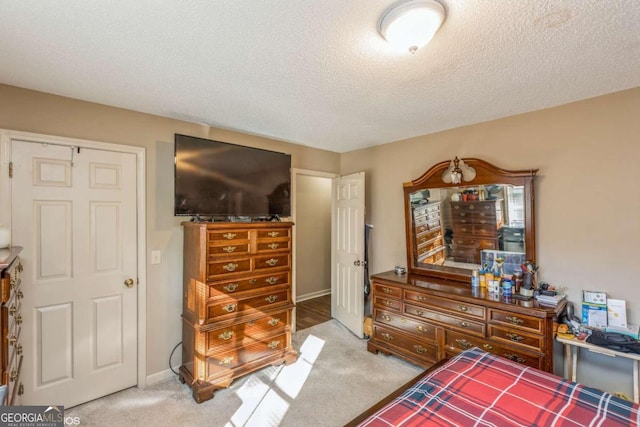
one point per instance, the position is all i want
(466, 173)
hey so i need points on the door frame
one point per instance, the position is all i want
(6, 136)
(295, 172)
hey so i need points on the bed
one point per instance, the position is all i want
(479, 388)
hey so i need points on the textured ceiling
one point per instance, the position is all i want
(318, 73)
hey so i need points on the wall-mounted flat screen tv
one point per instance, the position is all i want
(219, 179)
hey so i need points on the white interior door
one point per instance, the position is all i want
(347, 240)
(74, 213)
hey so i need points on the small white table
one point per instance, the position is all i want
(572, 348)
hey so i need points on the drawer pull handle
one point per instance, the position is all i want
(229, 249)
(271, 299)
(272, 280)
(273, 245)
(462, 214)
(12, 340)
(12, 284)
(471, 207)
(20, 268)
(465, 324)
(487, 346)
(420, 349)
(515, 320)
(403, 320)
(19, 295)
(229, 236)
(230, 267)
(514, 357)
(387, 303)
(386, 336)
(386, 290)
(252, 281)
(273, 344)
(419, 312)
(274, 234)
(19, 319)
(19, 350)
(12, 310)
(386, 318)
(227, 360)
(464, 343)
(251, 322)
(482, 221)
(457, 207)
(226, 335)
(230, 308)
(271, 262)
(421, 298)
(274, 321)
(515, 337)
(463, 308)
(13, 376)
(422, 329)
(230, 287)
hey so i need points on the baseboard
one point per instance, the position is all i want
(161, 376)
(312, 295)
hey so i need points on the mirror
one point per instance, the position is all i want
(462, 215)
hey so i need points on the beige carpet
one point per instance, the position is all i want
(334, 380)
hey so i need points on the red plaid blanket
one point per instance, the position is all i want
(476, 388)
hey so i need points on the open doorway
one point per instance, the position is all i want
(311, 212)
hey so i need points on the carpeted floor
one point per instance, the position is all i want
(334, 380)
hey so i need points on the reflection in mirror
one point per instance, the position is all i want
(470, 227)
(464, 214)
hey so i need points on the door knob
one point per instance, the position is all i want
(357, 263)
(128, 283)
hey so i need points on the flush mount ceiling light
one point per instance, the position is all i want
(412, 25)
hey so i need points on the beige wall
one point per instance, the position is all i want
(313, 235)
(31, 111)
(587, 192)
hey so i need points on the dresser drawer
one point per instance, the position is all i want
(278, 245)
(516, 321)
(517, 337)
(229, 248)
(387, 291)
(475, 242)
(223, 309)
(272, 261)
(456, 342)
(387, 303)
(272, 233)
(419, 329)
(453, 306)
(433, 256)
(226, 360)
(489, 229)
(406, 343)
(226, 288)
(228, 266)
(247, 333)
(227, 235)
(468, 326)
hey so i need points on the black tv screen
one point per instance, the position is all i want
(219, 179)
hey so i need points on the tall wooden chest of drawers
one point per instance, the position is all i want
(425, 320)
(11, 294)
(237, 302)
(475, 227)
(429, 238)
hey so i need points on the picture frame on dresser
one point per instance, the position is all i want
(432, 313)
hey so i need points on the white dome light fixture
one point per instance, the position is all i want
(413, 24)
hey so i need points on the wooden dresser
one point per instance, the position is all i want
(429, 239)
(475, 227)
(11, 320)
(425, 320)
(237, 302)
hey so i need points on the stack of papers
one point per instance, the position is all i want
(551, 300)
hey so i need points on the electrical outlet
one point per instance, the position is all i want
(156, 257)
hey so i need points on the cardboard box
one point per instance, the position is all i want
(594, 315)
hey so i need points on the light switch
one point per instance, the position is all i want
(156, 257)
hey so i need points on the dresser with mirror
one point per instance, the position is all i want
(461, 216)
